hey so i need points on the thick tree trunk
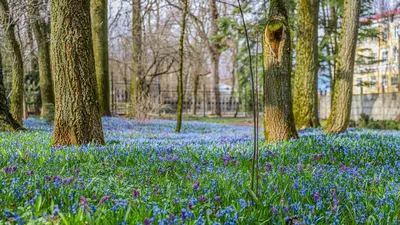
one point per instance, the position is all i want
(196, 81)
(17, 96)
(343, 86)
(179, 109)
(306, 72)
(100, 47)
(278, 111)
(215, 56)
(77, 112)
(39, 28)
(136, 56)
(7, 123)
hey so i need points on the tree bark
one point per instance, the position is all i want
(179, 109)
(39, 29)
(343, 86)
(136, 55)
(7, 122)
(215, 56)
(17, 96)
(306, 71)
(77, 112)
(100, 47)
(278, 111)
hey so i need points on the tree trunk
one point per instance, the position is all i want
(17, 96)
(100, 47)
(343, 86)
(278, 111)
(215, 55)
(39, 28)
(77, 112)
(7, 122)
(306, 72)
(179, 109)
(196, 81)
(136, 55)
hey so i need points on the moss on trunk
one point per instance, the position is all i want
(39, 28)
(278, 113)
(100, 47)
(77, 113)
(306, 71)
(343, 84)
(7, 122)
(17, 96)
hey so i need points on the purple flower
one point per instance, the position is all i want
(83, 201)
(343, 168)
(203, 198)
(196, 185)
(10, 170)
(189, 176)
(267, 167)
(316, 196)
(148, 221)
(274, 211)
(190, 205)
(136, 194)
(30, 172)
(300, 166)
(104, 199)
(171, 218)
(217, 198)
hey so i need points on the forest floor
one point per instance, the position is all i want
(148, 174)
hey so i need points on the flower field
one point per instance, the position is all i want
(147, 174)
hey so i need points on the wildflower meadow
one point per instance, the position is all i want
(148, 174)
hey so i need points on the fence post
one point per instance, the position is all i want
(204, 100)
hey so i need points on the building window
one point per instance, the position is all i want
(397, 31)
(395, 80)
(384, 81)
(395, 55)
(359, 82)
(385, 34)
(384, 56)
(373, 82)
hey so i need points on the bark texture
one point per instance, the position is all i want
(215, 56)
(278, 111)
(17, 96)
(77, 113)
(343, 86)
(7, 122)
(306, 71)
(179, 109)
(136, 56)
(100, 48)
(39, 28)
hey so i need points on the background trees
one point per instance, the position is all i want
(99, 12)
(180, 75)
(77, 117)
(343, 84)
(17, 95)
(306, 71)
(7, 122)
(40, 30)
